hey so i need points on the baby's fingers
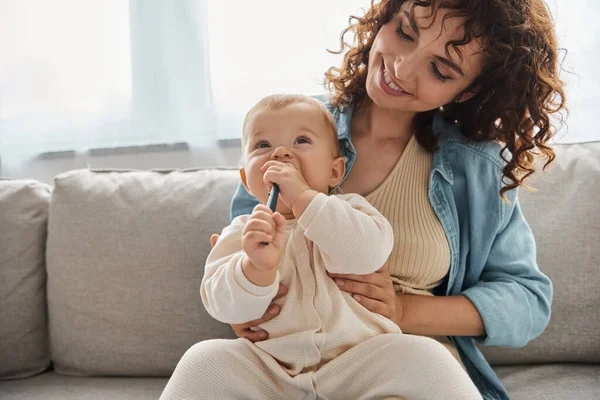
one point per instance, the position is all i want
(261, 207)
(257, 237)
(280, 224)
(259, 225)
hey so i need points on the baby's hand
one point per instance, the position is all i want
(264, 226)
(291, 182)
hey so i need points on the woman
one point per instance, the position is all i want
(441, 108)
(477, 96)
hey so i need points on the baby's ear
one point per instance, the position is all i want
(243, 177)
(338, 168)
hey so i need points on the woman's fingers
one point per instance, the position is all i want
(374, 291)
(373, 279)
(213, 239)
(376, 306)
(245, 331)
(361, 288)
(380, 278)
(253, 336)
(271, 312)
(282, 291)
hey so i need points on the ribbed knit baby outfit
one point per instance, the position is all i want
(323, 344)
(318, 321)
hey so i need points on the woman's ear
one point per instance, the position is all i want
(338, 168)
(464, 97)
(468, 93)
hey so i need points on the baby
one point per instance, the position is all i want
(323, 344)
(291, 141)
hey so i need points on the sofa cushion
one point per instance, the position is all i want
(551, 382)
(23, 319)
(540, 382)
(564, 215)
(53, 386)
(125, 258)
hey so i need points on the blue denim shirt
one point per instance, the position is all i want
(493, 254)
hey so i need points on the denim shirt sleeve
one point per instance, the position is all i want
(513, 296)
(242, 202)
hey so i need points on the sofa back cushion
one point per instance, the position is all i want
(23, 319)
(564, 215)
(125, 254)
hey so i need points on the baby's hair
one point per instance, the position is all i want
(279, 101)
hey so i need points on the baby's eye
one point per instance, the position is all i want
(263, 144)
(302, 140)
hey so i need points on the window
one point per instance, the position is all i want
(82, 74)
(269, 46)
(579, 33)
(65, 74)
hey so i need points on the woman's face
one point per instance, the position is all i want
(408, 66)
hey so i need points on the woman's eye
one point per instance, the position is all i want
(262, 145)
(302, 140)
(403, 35)
(436, 72)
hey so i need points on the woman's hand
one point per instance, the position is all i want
(243, 330)
(374, 291)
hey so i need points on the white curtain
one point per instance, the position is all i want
(267, 46)
(81, 74)
(579, 33)
(171, 92)
(263, 47)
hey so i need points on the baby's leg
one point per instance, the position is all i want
(233, 369)
(395, 366)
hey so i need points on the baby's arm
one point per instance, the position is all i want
(226, 293)
(352, 236)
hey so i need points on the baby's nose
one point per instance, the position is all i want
(281, 152)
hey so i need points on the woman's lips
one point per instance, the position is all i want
(388, 85)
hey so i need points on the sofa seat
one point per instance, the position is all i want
(524, 382)
(53, 386)
(551, 381)
(99, 276)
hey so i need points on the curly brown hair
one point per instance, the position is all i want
(517, 91)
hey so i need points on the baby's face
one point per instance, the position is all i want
(297, 134)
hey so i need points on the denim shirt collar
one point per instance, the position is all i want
(343, 117)
(440, 158)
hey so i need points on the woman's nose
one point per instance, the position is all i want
(405, 67)
(281, 152)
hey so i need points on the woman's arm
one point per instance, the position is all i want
(418, 315)
(438, 316)
(513, 296)
(509, 306)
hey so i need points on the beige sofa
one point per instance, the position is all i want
(99, 279)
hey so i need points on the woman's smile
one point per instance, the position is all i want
(388, 85)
